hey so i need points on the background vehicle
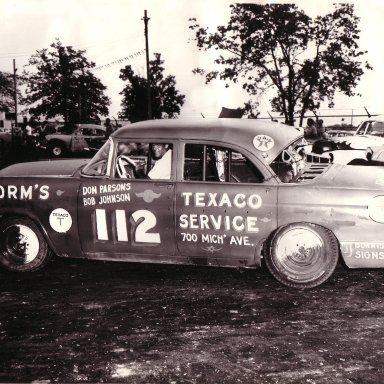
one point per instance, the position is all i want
(350, 148)
(82, 137)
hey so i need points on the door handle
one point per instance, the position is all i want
(164, 185)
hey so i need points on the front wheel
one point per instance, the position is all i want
(22, 246)
(301, 255)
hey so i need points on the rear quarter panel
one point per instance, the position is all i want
(344, 212)
(51, 202)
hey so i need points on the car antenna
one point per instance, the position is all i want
(369, 115)
(271, 117)
(202, 115)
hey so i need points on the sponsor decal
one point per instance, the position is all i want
(363, 250)
(215, 226)
(60, 220)
(148, 195)
(263, 143)
(24, 192)
(136, 229)
(106, 194)
(211, 249)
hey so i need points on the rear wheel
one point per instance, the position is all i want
(56, 149)
(22, 246)
(302, 255)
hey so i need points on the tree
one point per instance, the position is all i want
(306, 61)
(165, 98)
(7, 101)
(63, 85)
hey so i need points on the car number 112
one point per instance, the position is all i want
(143, 221)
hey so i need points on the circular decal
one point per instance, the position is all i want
(376, 209)
(263, 143)
(60, 220)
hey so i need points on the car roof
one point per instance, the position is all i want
(240, 132)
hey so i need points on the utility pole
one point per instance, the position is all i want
(149, 101)
(14, 95)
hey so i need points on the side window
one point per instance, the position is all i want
(218, 164)
(143, 160)
(131, 160)
(86, 131)
(99, 132)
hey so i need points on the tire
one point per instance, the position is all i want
(301, 255)
(56, 149)
(22, 245)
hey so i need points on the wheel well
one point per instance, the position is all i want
(8, 215)
(56, 142)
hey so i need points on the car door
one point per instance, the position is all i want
(224, 207)
(79, 140)
(129, 219)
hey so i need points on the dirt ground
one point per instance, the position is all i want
(91, 321)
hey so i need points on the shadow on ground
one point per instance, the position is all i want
(83, 321)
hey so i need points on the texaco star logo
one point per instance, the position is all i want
(263, 143)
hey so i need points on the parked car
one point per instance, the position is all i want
(81, 138)
(237, 192)
(345, 147)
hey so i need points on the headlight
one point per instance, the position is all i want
(376, 209)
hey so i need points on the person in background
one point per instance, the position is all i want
(320, 129)
(109, 128)
(310, 131)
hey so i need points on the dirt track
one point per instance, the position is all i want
(80, 321)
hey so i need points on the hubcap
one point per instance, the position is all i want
(300, 254)
(21, 243)
(56, 151)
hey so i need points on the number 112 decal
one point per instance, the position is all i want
(142, 221)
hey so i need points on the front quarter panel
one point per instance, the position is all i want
(51, 202)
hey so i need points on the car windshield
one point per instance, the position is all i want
(98, 165)
(290, 162)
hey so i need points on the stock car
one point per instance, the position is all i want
(238, 194)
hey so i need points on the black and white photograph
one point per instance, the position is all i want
(191, 192)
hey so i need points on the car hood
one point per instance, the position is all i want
(44, 168)
(353, 176)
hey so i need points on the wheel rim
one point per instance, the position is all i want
(300, 254)
(21, 243)
(56, 151)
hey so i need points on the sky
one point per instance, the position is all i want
(111, 30)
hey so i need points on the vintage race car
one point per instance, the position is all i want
(217, 193)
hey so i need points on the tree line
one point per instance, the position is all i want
(275, 49)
